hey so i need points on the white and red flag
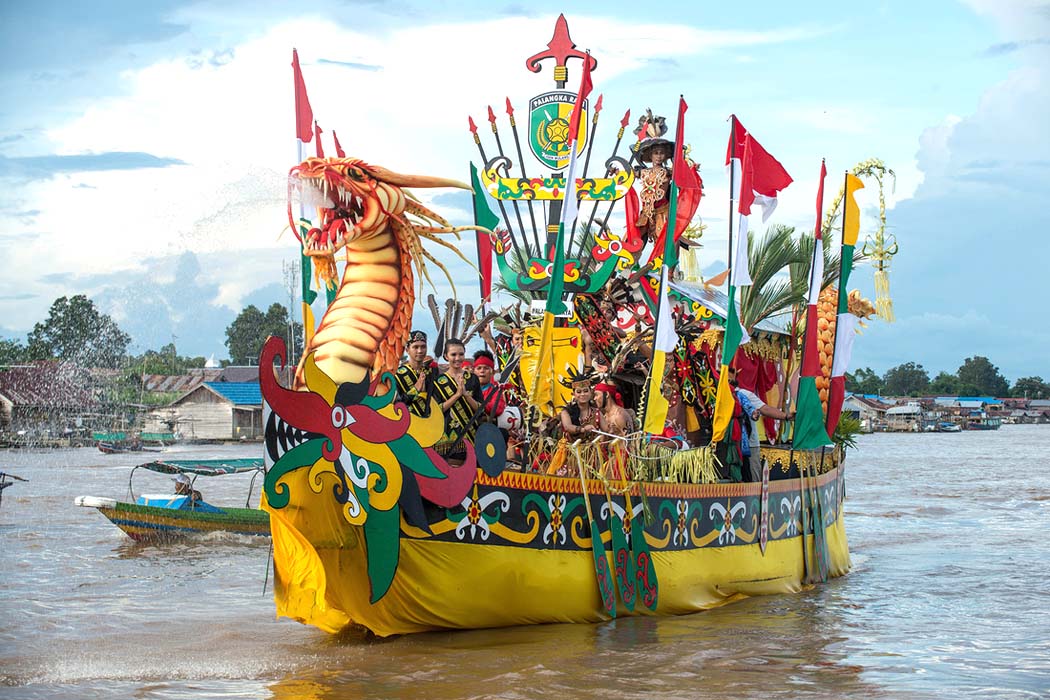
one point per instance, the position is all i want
(756, 177)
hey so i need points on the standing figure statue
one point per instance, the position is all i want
(653, 153)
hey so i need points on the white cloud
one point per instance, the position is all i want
(231, 121)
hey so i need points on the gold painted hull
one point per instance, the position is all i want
(470, 572)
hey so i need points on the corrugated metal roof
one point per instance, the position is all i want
(950, 400)
(173, 382)
(239, 374)
(47, 383)
(239, 393)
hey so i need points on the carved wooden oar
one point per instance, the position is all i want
(626, 568)
(648, 586)
(601, 564)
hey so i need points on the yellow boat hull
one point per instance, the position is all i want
(518, 551)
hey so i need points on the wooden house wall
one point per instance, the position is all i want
(205, 420)
(247, 423)
(6, 408)
(204, 415)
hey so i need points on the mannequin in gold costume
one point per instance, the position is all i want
(655, 182)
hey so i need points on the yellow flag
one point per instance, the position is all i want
(851, 211)
(656, 405)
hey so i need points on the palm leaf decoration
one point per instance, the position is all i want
(771, 293)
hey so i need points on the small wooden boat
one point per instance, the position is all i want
(983, 423)
(109, 447)
(170, 516)
(7, 480)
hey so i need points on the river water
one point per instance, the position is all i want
(949, 597)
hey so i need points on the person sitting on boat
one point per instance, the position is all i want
(491, 391)
(674, 430)
(493, 398)
(506, 350)
(753, 407)
(184, 487)
(414, 378)
(613, 417)
(577, 421)
(459, 402)
(581, 417)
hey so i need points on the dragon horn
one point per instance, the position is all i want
(456, 319)
(468, 317)
(481, 323)
(400, 180)
(450, 307)
(432, 303)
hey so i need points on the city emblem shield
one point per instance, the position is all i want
(549, 116)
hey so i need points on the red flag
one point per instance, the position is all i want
(685, 177)
(585, 89)
(485, 265)
(317, 133)
(304, 115)
(338, 148)
(747, 177)
(767, 175)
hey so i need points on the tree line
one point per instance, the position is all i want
(75, 331)
(977, 376)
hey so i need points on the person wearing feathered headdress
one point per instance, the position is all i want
(581, 416)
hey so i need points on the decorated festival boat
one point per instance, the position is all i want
(391, 511)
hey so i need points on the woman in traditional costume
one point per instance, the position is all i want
(578, 420)
(459, 402)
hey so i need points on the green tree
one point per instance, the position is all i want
(165, 361)
(905, 380)
(12, 352)
(864, 381)
(246, 335)
(1030, 388)
(978, 372)
(945, 384)
(76, 331)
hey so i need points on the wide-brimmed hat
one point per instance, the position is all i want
(646, 146)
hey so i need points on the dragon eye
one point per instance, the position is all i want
(355, 174)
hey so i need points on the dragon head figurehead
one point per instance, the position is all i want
(356, 200)
(364, 212)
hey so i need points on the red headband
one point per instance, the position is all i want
(484, 362)
(611, 391)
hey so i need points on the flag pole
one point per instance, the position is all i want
(521, 164)
(732, 178)
(303, 119)
(812, 274)
(585, 263)
(834, 339)
(586, 166)
(499, 149)
(503, 210)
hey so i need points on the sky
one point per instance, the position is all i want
(144, 147)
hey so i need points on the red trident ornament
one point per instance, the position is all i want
(561, 48)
